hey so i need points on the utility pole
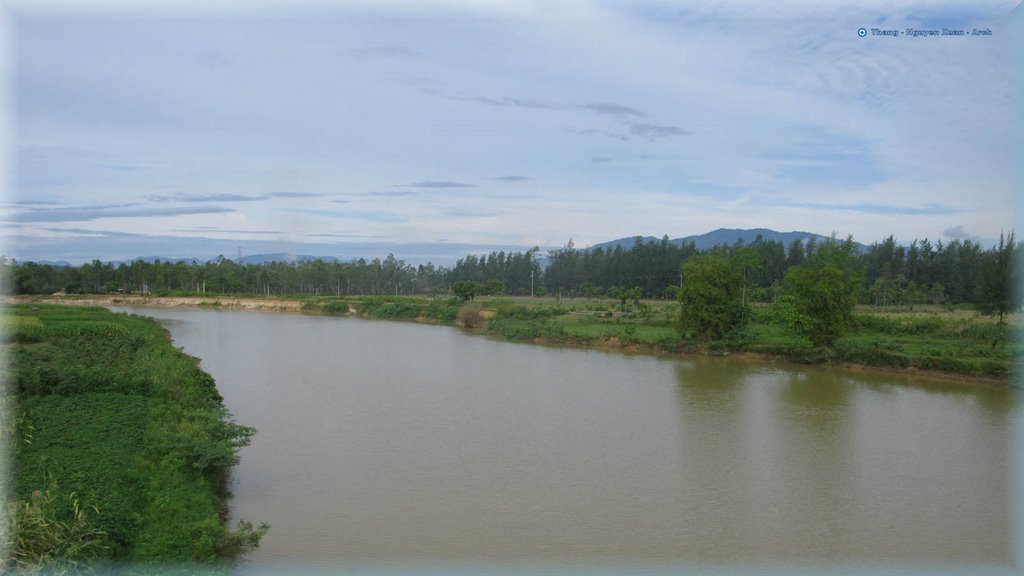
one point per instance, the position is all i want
(531, 279)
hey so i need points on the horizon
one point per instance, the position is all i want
(449, 261)
(433, 131)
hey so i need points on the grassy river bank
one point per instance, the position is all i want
(119, 447)
(953, 343)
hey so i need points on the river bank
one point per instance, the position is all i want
(227, 303)
(952, 345)
(122, 445)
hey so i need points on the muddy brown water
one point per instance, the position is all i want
(387, 442)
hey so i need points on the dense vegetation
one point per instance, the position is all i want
(121, 444)
(890, 274)
(798, 300)
(954, 273)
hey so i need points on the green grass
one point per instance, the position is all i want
(107, 410)
(974, 346)
(92, 445)
(948, 341)
(442, 310)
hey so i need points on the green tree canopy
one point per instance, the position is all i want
(998, 282)
(466, 290)
(825, 291)
(712, 299)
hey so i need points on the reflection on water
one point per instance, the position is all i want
(390, 441)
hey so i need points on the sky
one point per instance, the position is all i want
(435, 129)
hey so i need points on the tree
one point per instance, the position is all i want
(996, 285)
(588, 290)
(711, 299)
(825, 292)
(493, 287)
(466, 290)
(746, 259)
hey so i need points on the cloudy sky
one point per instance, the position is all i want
(433, 129)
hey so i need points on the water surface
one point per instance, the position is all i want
(384, 441)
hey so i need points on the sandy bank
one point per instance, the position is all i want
(274, 304)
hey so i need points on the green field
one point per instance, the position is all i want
(120, 444)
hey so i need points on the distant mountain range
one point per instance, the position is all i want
(282, 257)
(701, 241)
(251, 259)
(722, 236)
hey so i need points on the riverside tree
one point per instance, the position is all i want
(711, 299)
(999, 281)
(824, 292)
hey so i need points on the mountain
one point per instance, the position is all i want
(152, 259)
(283, 257)
(54, 263)
(731, 235)
(251, 259)
(722, 236)
(626, 243)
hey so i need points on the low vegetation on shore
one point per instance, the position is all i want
(120, 445)
(961, 342)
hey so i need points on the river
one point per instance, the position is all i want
(386, 442)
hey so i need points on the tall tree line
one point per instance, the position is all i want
(957, 272)
(221, 275)
(519, 272)
(920, 273)
(653, 266)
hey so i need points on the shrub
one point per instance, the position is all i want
(443, 310)
(470, 317)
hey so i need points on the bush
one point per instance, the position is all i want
(873, 353)
(333, 308)
(444, 311)
(527, 313)
(471, 317)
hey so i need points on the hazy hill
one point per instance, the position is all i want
(283, 257)
(721, 236)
